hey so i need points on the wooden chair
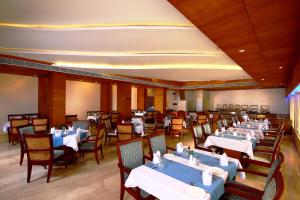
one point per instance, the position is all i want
(124, 130)
(157, 142)
(15, 116)
(26, 129)
(176, 127)
(40, 125)
(114, 117)
(93, 145)
(31, 116)
(82, 124)
(109, 130)
(103, 117)
(274, 185)
(225, 123)
(130, 156)
(40, 151)
(150, 125)
(202, 119)
(199, 137)
(13, 133)
(220, 124)
(70, 119)
(207, 129)
(233, 119)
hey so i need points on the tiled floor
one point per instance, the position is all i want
(87, 180)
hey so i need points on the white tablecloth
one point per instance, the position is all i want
(257, 133)
(232, 144)
(73, 140)
(6, 126)
(167, 122)
(166, 187)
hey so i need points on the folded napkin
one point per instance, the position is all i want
(52, 130)
(78, 130)
(70, 128)
(179, 147)
(192, 160)
(248, 136)
(217, 132)
(207, 176)
(252, 133)
(156, 157)
(223, 129)
(57, 133)
(255, 120)
(238, 123)
(224, 160)
(260, 127)
(234, 133)
(248, 125)
(234, 124)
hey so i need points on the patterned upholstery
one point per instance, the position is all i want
(58, 153)
(220, 125)
(132, 154)
(82, 124)
(114, 117)
(273, 168)
(207, 129)
(40, 124)
(158, 143)
(270, 190)
(26, 129)
(197, 131)
(225, 122)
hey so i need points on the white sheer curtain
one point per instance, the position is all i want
(295, 112)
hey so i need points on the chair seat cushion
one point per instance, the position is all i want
(263, 157)
(87, 146)
(58, 153)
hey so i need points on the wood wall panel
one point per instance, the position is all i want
(105, 97)
(43, 96)
(124, 100)
(160, 99)
(57, 99)
(141, 97)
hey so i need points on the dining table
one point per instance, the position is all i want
(176, 178)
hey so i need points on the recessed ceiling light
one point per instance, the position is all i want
(35, 75)
(242, 50)
(280, 67)
(262, 79)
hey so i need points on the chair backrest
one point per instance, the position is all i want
(244, 107)
(202, 119)
(177, 123)
(236, 118)
(31, 115)
(82, 124)
(274, 188)
(233, 119)
(274, 167)
(225, 122)
(70, 119)
(220, 124)
(39, 148)
(130, 155)
(100, 135)
(114, 116)
(207, 129)
(157, 142)
(125, 131)
(26, 129)
(15, 116)
(108, 126)
(14, 123)
(40, 124)
(197, 134)
(104, 116)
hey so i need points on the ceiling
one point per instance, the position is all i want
(138, 38)
(267, 31)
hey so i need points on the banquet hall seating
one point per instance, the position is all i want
(109, 130)
(13, 133)
(93, 145)
(125, 131)
(40, 151)
(69, 119)
(25, 129)
(40, 125)
(274, 185)
(114, 117)
(157, 142)
(130, 156)
(103, 117)
(176, 127)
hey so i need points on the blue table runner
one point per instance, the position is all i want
(190, 176)
(58, 141)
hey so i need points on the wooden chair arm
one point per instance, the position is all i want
(264, 144)
(253, 172)
(124, 169)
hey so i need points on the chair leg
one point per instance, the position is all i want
(21, 157)
(101, 149)
(105, 139)
(96, 156)
(122, 192)
(49, 172)
(29, 168)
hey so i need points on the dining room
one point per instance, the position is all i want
(139, 99)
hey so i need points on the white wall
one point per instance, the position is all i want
(275, 98)
(19, 95)
(194, 99)
(82, 97)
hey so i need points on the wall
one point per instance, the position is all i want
(275, 98)
(82, 97)
(124, 100)
(19, 95)
(194, 100)
(114, 97)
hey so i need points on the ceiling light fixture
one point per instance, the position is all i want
(242, 50)
(280, 67)
(262, 79)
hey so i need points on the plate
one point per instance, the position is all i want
(216, 170)
(168, 155)
(196, 192)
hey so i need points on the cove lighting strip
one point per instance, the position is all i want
(33, 65)
(295, 91)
